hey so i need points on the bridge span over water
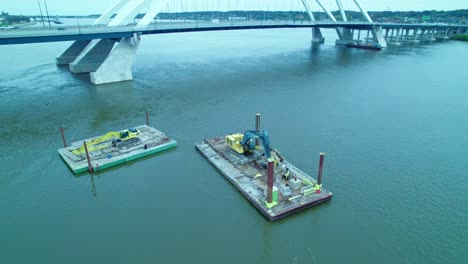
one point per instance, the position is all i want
(106, 48)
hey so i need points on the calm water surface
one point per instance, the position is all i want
(394, 125)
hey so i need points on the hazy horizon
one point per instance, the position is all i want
(88, 7)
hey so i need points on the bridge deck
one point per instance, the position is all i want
(30, 35)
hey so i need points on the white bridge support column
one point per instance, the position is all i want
(346, 36)
(92, 56)
(342, 11)
(307, 8)
(127, 13)
(155, 7)
(102, 58)
(69, 55)
(377, 36)
(117, 66)
(415, 35)
(331, 16)
(363, 12)
(317, 36)
(103, 19)
(345, 32)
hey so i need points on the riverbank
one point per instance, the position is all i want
(460, 37)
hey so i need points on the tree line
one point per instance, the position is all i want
(456, 16)
(8, 19)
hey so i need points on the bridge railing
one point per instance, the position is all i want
(187, 24)
(161, 25)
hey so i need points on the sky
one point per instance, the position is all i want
(86, 7)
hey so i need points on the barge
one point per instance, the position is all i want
(273, 185)
(115, 148)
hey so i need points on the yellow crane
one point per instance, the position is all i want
(116, 138)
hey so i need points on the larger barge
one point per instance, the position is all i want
(274, 186)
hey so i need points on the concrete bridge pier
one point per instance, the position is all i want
(92, 56)
(392, 35)
(70, 55)
(422, 36)
(396, 41)
(117, 67)
(346, 37)
(102, 58)
(358, 35)
(442, 34)
(317, 36)
(414, 39)
(431, 35)
(386, 33)
(389, 35)
(406, 34)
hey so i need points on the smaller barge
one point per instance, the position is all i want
(273, 185)
(114, 148)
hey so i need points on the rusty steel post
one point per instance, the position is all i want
(63, 138)
(90, 167)
(271, 166)
(257, 121)
(319, 178)
(257, 127)
(147, 118)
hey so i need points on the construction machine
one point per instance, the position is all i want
(126, 137)
(117, 138)
(246, 142)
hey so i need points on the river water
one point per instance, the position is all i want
(393, 123)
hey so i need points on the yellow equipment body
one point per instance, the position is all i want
(233, 140)
(102, 141)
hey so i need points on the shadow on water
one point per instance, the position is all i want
(267, 242)
(322, 57)
(82, 78)
(422, 48)
(111, 102)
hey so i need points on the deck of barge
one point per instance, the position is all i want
(245, 173)
(108, 156)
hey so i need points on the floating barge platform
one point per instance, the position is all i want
(104, 153)
(249, 174)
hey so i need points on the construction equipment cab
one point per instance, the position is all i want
(246, 142)
(126, 137)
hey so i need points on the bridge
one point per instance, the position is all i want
(106, 48)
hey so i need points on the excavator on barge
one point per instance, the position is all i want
(116, 138)
(246, 144)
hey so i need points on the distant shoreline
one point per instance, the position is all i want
(461, 37)
(429, 16)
